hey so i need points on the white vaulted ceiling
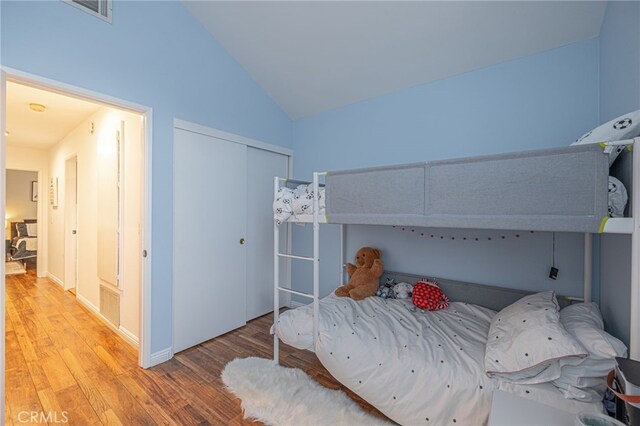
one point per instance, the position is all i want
(314, 56)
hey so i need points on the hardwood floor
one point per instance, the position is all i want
(65, 366)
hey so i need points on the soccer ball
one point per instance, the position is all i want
(622, 124)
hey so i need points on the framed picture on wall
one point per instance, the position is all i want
(34, 191)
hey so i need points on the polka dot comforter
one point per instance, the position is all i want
(417, 367)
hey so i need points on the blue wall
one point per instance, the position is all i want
(540, 101)
(619, 93)
(158, 56)
(620, 60)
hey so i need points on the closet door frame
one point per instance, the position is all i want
(253, 143)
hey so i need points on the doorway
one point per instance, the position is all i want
(21, 220)
(90, 168)
(48, 191)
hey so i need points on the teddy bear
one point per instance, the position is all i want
(364, 275)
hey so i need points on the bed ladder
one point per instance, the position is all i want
(277, 287)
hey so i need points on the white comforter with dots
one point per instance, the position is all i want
(417, 367)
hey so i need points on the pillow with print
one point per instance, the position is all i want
(527, 344)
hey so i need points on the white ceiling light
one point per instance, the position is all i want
(36, 107)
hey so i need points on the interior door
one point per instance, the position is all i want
(262, 167)
(210, 219)
(71, 220)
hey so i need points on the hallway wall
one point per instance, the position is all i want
(89, 148)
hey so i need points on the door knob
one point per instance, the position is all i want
(241, 240)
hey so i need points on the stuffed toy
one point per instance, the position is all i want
(364, 275)
(427, 295)
(402, 290)
(386, 290)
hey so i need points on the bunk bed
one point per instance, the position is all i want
(506, 192)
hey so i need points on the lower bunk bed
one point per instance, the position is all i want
(417, 367)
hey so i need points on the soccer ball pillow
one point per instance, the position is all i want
(624, 127)
(428, 295)
(618, 197)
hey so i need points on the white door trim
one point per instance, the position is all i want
(17, 76)
(219, 134)
(3, 151)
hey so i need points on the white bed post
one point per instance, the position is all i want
(316, 255)
(634, 338)
(588, 267)
(341, 269)
(276, 278)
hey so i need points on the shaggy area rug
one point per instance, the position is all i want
(14, 268)
(277, 395)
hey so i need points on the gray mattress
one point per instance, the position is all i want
(560, 189)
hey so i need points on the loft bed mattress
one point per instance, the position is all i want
(560, 189)
(416, 367)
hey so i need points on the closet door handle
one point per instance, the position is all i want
(241, 240)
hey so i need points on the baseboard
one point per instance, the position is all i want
(126, 335)
(132, 338)
(55, 279)
(294, 304)
(88, 304)
(161, 356)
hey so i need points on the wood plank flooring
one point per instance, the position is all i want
(67, 367)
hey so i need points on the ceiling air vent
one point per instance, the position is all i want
(99, 8)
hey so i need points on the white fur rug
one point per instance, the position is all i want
(277, 395)
(14, 268)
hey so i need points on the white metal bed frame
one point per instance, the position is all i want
(626, 225)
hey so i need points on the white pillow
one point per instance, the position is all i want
(586, 381)
(584, 322)
(618, 197)
(527, 344)
(32, 229)
(624, 127)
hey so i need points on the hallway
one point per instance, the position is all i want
(60, 359)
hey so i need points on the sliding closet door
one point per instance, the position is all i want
(262, 167)
(210, 218)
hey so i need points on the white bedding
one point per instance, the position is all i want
(416, 367)
(295, 202)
